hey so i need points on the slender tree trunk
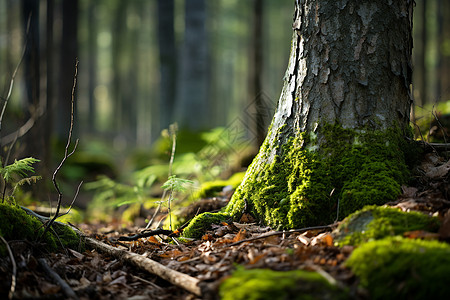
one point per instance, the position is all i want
(50, 84)
(69, 52)
(192, 103)
(167, 61)
(337, 138)
(92, 67)
(257, 107)
(32, 106)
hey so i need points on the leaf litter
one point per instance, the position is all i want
(213, 257)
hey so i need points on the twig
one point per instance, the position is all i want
(145, 234)
(66, 289)
(179, 279)
(14, 269)
(67, 154)
(172, 132)
(331, 226)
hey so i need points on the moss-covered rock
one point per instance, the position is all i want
(16, 224)
(201, 223)
(377, 222)
(399, 268)
(267, 284)
(305, 182)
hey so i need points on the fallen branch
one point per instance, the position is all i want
(66, 289)
(179, 279)
(14, 269)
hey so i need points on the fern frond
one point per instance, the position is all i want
(19, 167)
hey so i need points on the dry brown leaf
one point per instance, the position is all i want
(242, 234)
(153, 240)
(421, 234)
(170, 254)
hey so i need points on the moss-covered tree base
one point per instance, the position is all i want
(268, 284)
(313, 174)
(399, 268)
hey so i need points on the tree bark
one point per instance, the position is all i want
(335, 142)
(167, 61)
(69, 52)
(192, 103)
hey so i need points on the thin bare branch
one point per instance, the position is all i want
(67, 154)
(14, 269)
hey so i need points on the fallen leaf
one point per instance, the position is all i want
(242, 234)
(421, 234)
(153, 240)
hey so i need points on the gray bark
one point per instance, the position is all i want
(192, 103)
(349, 63)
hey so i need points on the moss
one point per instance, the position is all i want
(201, 223)
(16, 224)
(212, 188)
(374, 222)
(399, 268)
(268, 284)
(304, 183)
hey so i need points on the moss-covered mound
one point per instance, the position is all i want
(212, 188)
(309, 176)
(201, 223)
(377, 222)
(267, 284)
(16, 224)
(399, 268)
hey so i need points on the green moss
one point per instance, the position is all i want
(201, 223)
(375, 222)
(268, 284)
(399, 268)
(212, 188)
(16, 224)
(295, 190)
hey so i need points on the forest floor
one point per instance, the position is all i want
(95, 275)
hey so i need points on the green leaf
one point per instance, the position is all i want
(19, 167)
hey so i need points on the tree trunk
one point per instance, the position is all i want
(192, 103)
(69, 52)
(336, 140)
(167, 62)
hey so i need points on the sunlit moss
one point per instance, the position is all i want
(399, 268)
(201, 223)
(267, 284)
(375, 222)
(304, 184)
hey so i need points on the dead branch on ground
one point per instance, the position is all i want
(14, 269)
(66, 289)
(176, 278)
